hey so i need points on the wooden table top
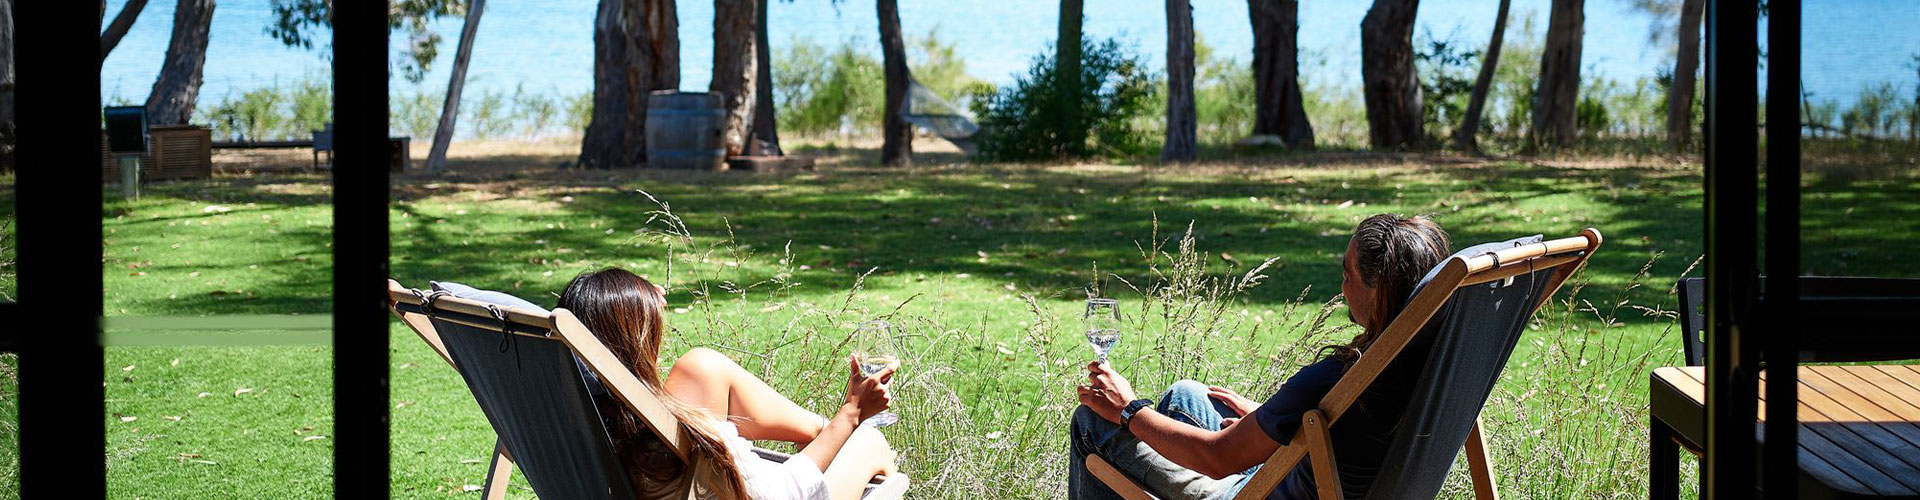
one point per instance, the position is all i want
(1859, 425)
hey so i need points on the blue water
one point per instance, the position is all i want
(547, 45)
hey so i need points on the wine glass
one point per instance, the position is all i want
(874, 348)
(1103, 325)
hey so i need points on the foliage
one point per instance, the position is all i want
(254, 115)
(579, 111)
(1874, 112)
(535, 111)
(417, 113)
(820, 91)
(312, 106)
(842, 89)
(1223, 94)
(1447, 68)
(1016, 122)
(487, 114)
(298, 23)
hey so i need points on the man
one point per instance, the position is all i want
(1204, 442)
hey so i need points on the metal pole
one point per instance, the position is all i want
(1731, 221)
(1783, 246)
(129, 176)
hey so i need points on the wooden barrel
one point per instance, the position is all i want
(683, 130)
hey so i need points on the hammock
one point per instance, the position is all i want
(928, 111)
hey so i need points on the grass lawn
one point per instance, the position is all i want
(982, 267)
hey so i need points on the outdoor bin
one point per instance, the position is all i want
(173, 152)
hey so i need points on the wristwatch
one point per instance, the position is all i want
(1133, 408)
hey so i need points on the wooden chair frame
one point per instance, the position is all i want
(1565, 256)
(625, 386)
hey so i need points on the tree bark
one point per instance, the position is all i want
(1276, 73)
(1392, 84)
(7, 138)
(178, 86)
(1181, 123)
(121, 22)
(1066, 75)
(1554, 110)
(443, 134)
(636, 46)
(897, 148)
(1680, 96)
(766, 131)
(734, 69)
(1464, 137)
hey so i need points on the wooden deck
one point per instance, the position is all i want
(1859, 427)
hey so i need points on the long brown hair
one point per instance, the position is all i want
(1392, 253)
(624, 311)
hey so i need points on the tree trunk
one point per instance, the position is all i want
(1181, 122)
(636, 48)
(1680, 96)
(1554, 109)
(897, 150)
(766, 131)
(1276, 73)
(1067, 101)
(443, 135)
(174, 92)
(1392, 85)
(1464, 137)
(121, 22)
(734, 69)
(6, 86)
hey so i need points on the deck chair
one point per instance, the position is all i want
(534, 374)
(1464, 319)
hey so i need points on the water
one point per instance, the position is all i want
(547, 45)
(1103, 340)
(870, 365)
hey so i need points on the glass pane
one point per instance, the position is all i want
(218, 273)
(1861, 143)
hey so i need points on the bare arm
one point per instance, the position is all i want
(865, 397)
(1214, 453)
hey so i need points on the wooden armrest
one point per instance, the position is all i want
(1119, 483)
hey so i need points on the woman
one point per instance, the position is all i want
(723, 407)
(1205, 442)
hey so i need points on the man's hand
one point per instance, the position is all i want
(1240, 404)
(1106, 392)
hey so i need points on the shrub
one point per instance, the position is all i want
(487, 114)
(1018, 122)
(1447, 69)
(536, 111)
(312, 107)
(820, 91)
(1223, 94)
(580, 111)
(255, 115)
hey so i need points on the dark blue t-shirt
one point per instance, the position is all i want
(1363, 433)
(1280, 415)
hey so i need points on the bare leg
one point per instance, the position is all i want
(865, 455)
(710, 380)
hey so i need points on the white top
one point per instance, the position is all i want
(799, 478)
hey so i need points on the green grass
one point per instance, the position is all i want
(982, 266)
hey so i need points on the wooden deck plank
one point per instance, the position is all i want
(1846, 423)
(1825, 449)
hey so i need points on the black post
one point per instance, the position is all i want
(1783, 245)
(1732, 184)
(360, 180)
(61, 401)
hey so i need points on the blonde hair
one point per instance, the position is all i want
(625, 312)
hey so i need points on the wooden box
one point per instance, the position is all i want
(173, 152)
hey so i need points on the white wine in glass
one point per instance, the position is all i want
(1103, 326)
(875, 352)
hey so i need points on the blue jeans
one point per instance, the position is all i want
(1186, 401)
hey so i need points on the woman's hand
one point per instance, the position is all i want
(869, 395)
(1240, 404)
(1106, 392)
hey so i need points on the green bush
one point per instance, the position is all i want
(487, 115)
(1446, 68)
(1223, 94)
(534, 111)
(580, 111)
(820, 90)
(417, 113)
(1018, 122)
(312, 107)
(254, 115)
